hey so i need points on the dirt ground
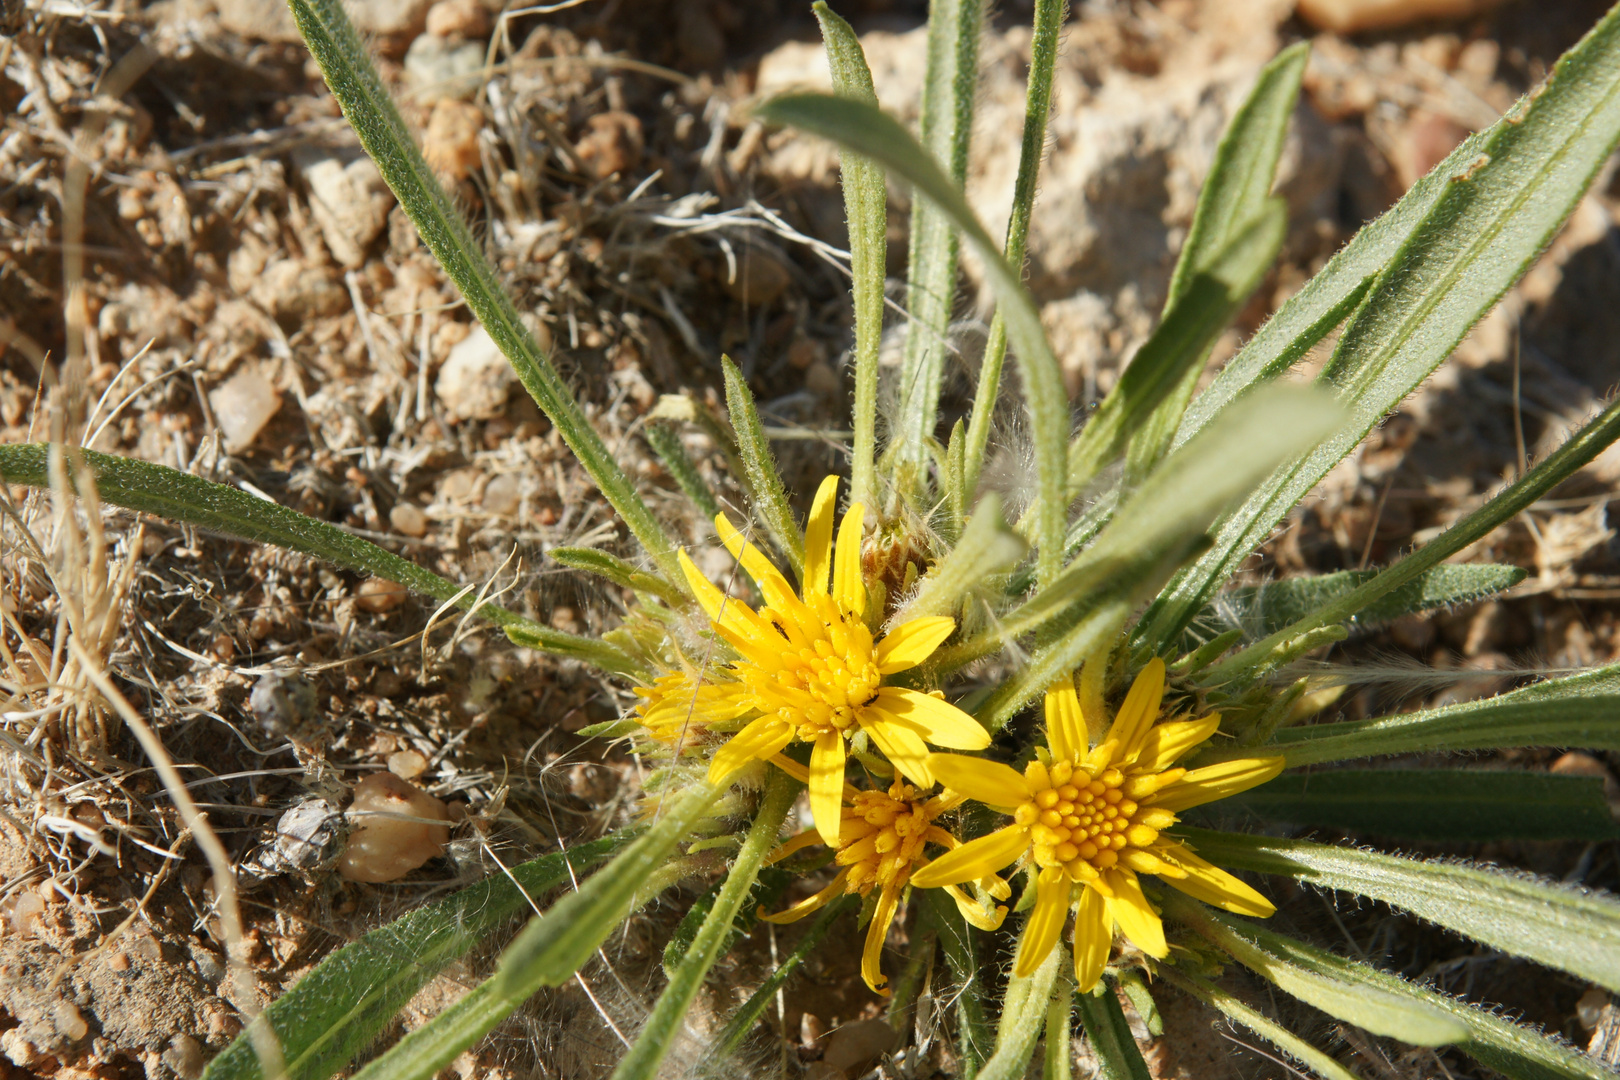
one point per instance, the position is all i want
(252, 307)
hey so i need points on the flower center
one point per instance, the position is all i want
(882, 836)
(824, 672)
(1078, 821)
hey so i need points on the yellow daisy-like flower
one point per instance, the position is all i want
(1093, 819)
(882, 843)
(811, 667)
(678, 709)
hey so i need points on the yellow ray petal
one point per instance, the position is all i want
(876, 934)
(1213, 782)
(903, 747)
(912, 642)
(1134, 914)
(1141, 707)
(849, 590)
(759, 739)
(935, 719)
(1165, 743)
(1052, 889)
(974, 859)
(818, 531)
(827, 785)
(724, 611)
(791, 767)
(1215, 886)
(974, 912)
(809, 903)
(1065, 727)
(989, 782)
(762, 570)
(1093, 938)
(808, 838)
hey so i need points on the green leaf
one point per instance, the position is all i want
(551, 948)
(1264, 609)
(1163, 521)
(1118, 1057)
(339, 1008)
(1023, 1017)
(716, 934)
(880, 137)
(1579, 711)
(1379, 1011)
(1236, 194)
(1059, 1058)
(1580, 449)
(1436, 804)
(616, 570)
(349, 73)
(218, 508)
(1490, 221)
(1176, 351)
(1511, 1049)
(949, 89)
(1043, 48)
(666, 443)
(759, 466)
(1571, 929)
(1238, 1012)
(866, 212)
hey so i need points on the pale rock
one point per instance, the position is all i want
(502, 494)
(458, 18)
(1353, 16)
(270, 20)
(408, 519)
(395, 829)
(438, 67)
(296, 292)
(348, 199)
(243, 405)
(476, 379)
(407, 764)
(379, 595)
(450, 143)
(857, 1046)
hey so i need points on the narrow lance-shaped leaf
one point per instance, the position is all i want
(1109, 1033)
(1571, 929)
(1481, 234)
(614, 569)
(1580, 449)
(666, 443)
(1023, 1017)
(1371, 1007)
(550, 949)
(1043, 48)
(945, 125)
(759, 466)
(350, 998)
(866, 211)
(1263, 609)
(1235, 194)
(370, 111)
(882, 138)
(169, 493)
(1581, 710)
(1511, 1049)
(1434, 804)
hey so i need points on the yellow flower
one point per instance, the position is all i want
(882, 842)
(679, 708)
(811, 667)
(1094, 819)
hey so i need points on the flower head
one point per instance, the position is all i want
(811, 667)
(1094, 818)
(881, 844)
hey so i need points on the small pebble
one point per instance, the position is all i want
(611, 144)
(1352, 16)
(439, 67)
(450, 143)
(760, 279)
(407, 764)
(379, 595)
(408, 519)
(394, 830)
(857, 1046)
(458, 18)
(284, 704)
(243, 405)
(502, 494)
(476, 379)
(564, 618)
(820, 378)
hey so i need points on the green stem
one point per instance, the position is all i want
(1118, 1057)
(1023, 1017)
(1037, 107)
(668, 1015)
(370, 111)
(1059, 1053)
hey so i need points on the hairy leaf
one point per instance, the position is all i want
(764, 482)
